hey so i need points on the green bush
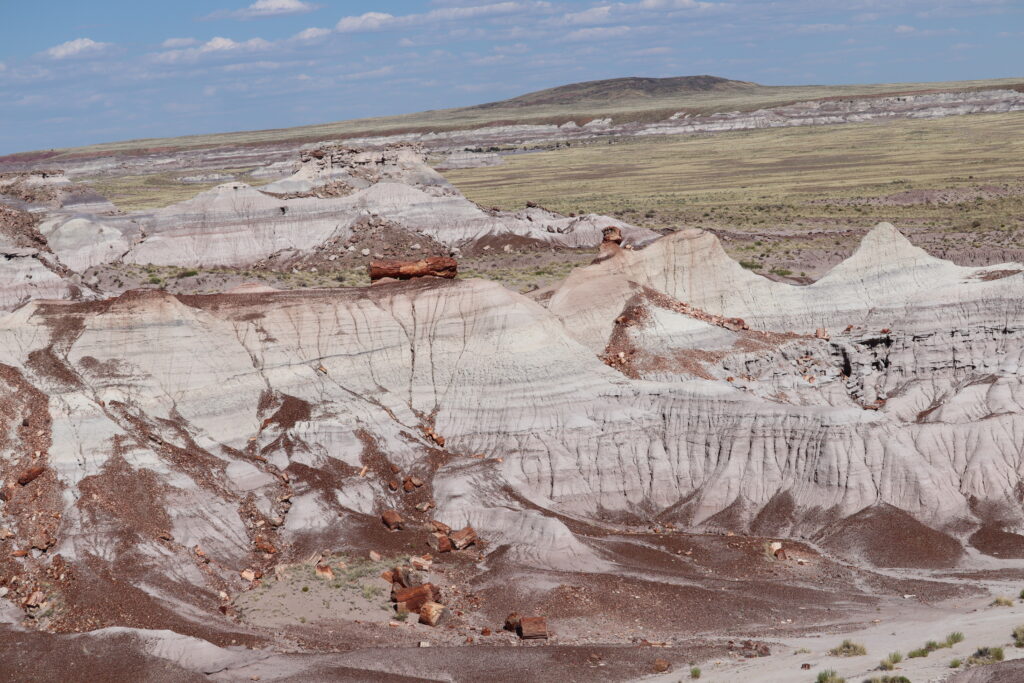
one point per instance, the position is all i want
(1018, 636)
(955, 664)
(954, 638)
(695, 672)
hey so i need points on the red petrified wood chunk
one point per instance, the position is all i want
(30, 475)
(463, 537)
(531, 628)
(436, 266)
(392, 519)
(440, 542)
(432, 613)
(415, 597)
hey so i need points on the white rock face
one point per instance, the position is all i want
(81, 243)
(27, 273)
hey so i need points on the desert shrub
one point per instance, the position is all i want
(751, 265)
(829, 676)
(1002, 601)
(986, 655)
(954, 638)
(1018, 636)
(188, 273)
(955, 663)
(782, 272)
(890, 662)
(695, 672)
(155, 280)
(848, 648)
(920, 652)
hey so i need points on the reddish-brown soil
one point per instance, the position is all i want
(888, 537)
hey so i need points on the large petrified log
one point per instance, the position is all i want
(436, 266)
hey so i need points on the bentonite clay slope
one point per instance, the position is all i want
(164, 441)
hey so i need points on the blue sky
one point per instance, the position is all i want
(74, 72)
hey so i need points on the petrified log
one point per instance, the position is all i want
(436, 266)
(432, 613)
(531, 628)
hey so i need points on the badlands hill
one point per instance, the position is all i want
(664, 448)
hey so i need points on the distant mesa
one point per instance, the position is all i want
(621, 89)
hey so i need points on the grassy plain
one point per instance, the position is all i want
(745, 98)
(953, 183)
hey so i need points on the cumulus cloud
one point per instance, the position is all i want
(212, 46)
(379, 21)
(266, 8)
(76, 48)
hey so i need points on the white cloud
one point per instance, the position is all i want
(597, 33)
(212, 46)
(379, 21)
(3, 67)
(266, 8)
(311, 34)
(178, 42)
(371, 21)
(76, 48)
(903, 28)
